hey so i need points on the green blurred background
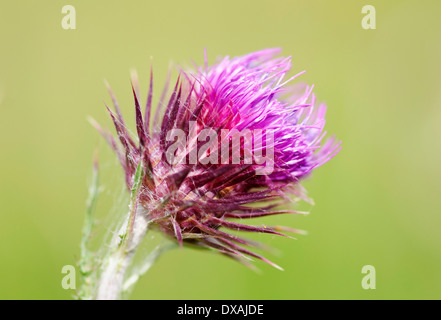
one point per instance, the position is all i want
(377, 203)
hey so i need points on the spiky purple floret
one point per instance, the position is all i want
(192, 202)
(251, 91)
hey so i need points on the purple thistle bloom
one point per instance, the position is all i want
(195, 198)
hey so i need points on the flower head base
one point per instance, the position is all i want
(230, 135)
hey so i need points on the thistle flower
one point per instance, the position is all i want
(232, 141)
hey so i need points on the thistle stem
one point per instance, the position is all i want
(124, 245)
(114, 269)
(112, 277)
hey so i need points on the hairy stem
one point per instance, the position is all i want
(112, 277)
(124, 245)
(114, 269)
(111, 274)
(85, 262)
